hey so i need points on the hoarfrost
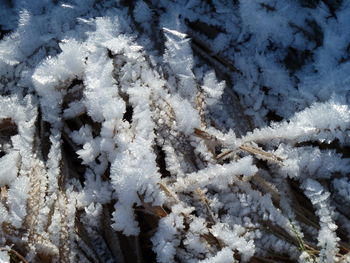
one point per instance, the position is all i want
(4, 257)
(188, 131)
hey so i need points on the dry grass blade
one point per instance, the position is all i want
(200, 106)
(345, 258)
(303, 246)
(265, 155)
(205, 51)
(204, 135)
(211, 141)
(224, 155)
(15, 257)
(267, 187)
(3, 193)
(212, 240)
(168, 192)
(153, 210)
(205, 201)
(295, 240)
(85, 242)
(7, 129)
(110, 236)
(7, 125)
(345, 247)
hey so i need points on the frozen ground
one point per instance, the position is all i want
(175, 131)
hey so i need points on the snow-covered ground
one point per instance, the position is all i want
(175, 131)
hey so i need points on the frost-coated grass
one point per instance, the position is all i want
(174, 131)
